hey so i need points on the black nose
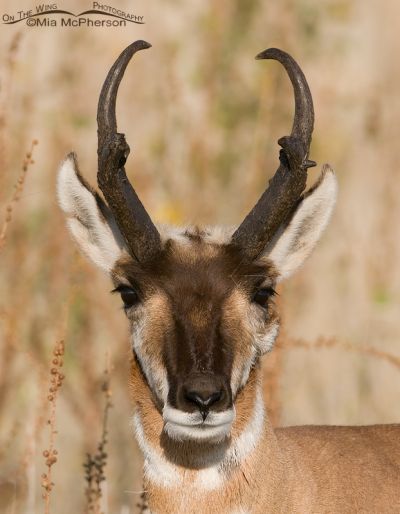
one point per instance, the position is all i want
(203, 400)
(203, 392)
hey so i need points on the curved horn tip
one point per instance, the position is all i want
(140, 44)
(271, 53)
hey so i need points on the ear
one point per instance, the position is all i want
(88, 217)
(296, 239)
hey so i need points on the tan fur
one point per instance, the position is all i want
(296, 470)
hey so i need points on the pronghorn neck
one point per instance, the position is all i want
(178, 474)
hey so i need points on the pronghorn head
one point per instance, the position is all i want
(200, 302)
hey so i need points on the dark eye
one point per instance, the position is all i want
(263, 295)
(128, 295)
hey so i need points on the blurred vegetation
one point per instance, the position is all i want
(202, 118)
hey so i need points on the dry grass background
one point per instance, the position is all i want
(202, 118)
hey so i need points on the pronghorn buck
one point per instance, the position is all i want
(200, 305)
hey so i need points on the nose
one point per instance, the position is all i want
(203, 392)
(202, 399)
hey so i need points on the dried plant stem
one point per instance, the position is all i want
(331, 342)
(51, 453)
(95, 464)
(18, 188)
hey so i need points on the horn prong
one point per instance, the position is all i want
(288, 183)
(140, 234)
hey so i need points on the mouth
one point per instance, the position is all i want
(193, 426)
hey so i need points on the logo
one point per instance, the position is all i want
(50, 15)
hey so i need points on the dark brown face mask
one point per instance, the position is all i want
(272, 209)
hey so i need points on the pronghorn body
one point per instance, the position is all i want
(201, 313)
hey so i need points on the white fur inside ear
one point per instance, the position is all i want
(93, 229)
(295, 241)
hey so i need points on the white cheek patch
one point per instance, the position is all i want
(240, 374)
(247, 369)
(265, 342)
(247, 441)
(155, 374)
(263, 332)
(261, 340)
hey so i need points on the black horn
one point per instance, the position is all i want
(287, 185)
(139, 232)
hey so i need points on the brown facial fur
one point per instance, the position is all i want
(195, 299)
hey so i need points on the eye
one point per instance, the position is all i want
(263, 295)
(128, 295)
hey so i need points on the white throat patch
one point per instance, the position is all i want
(162, 472)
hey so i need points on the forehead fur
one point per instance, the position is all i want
(192, 260)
